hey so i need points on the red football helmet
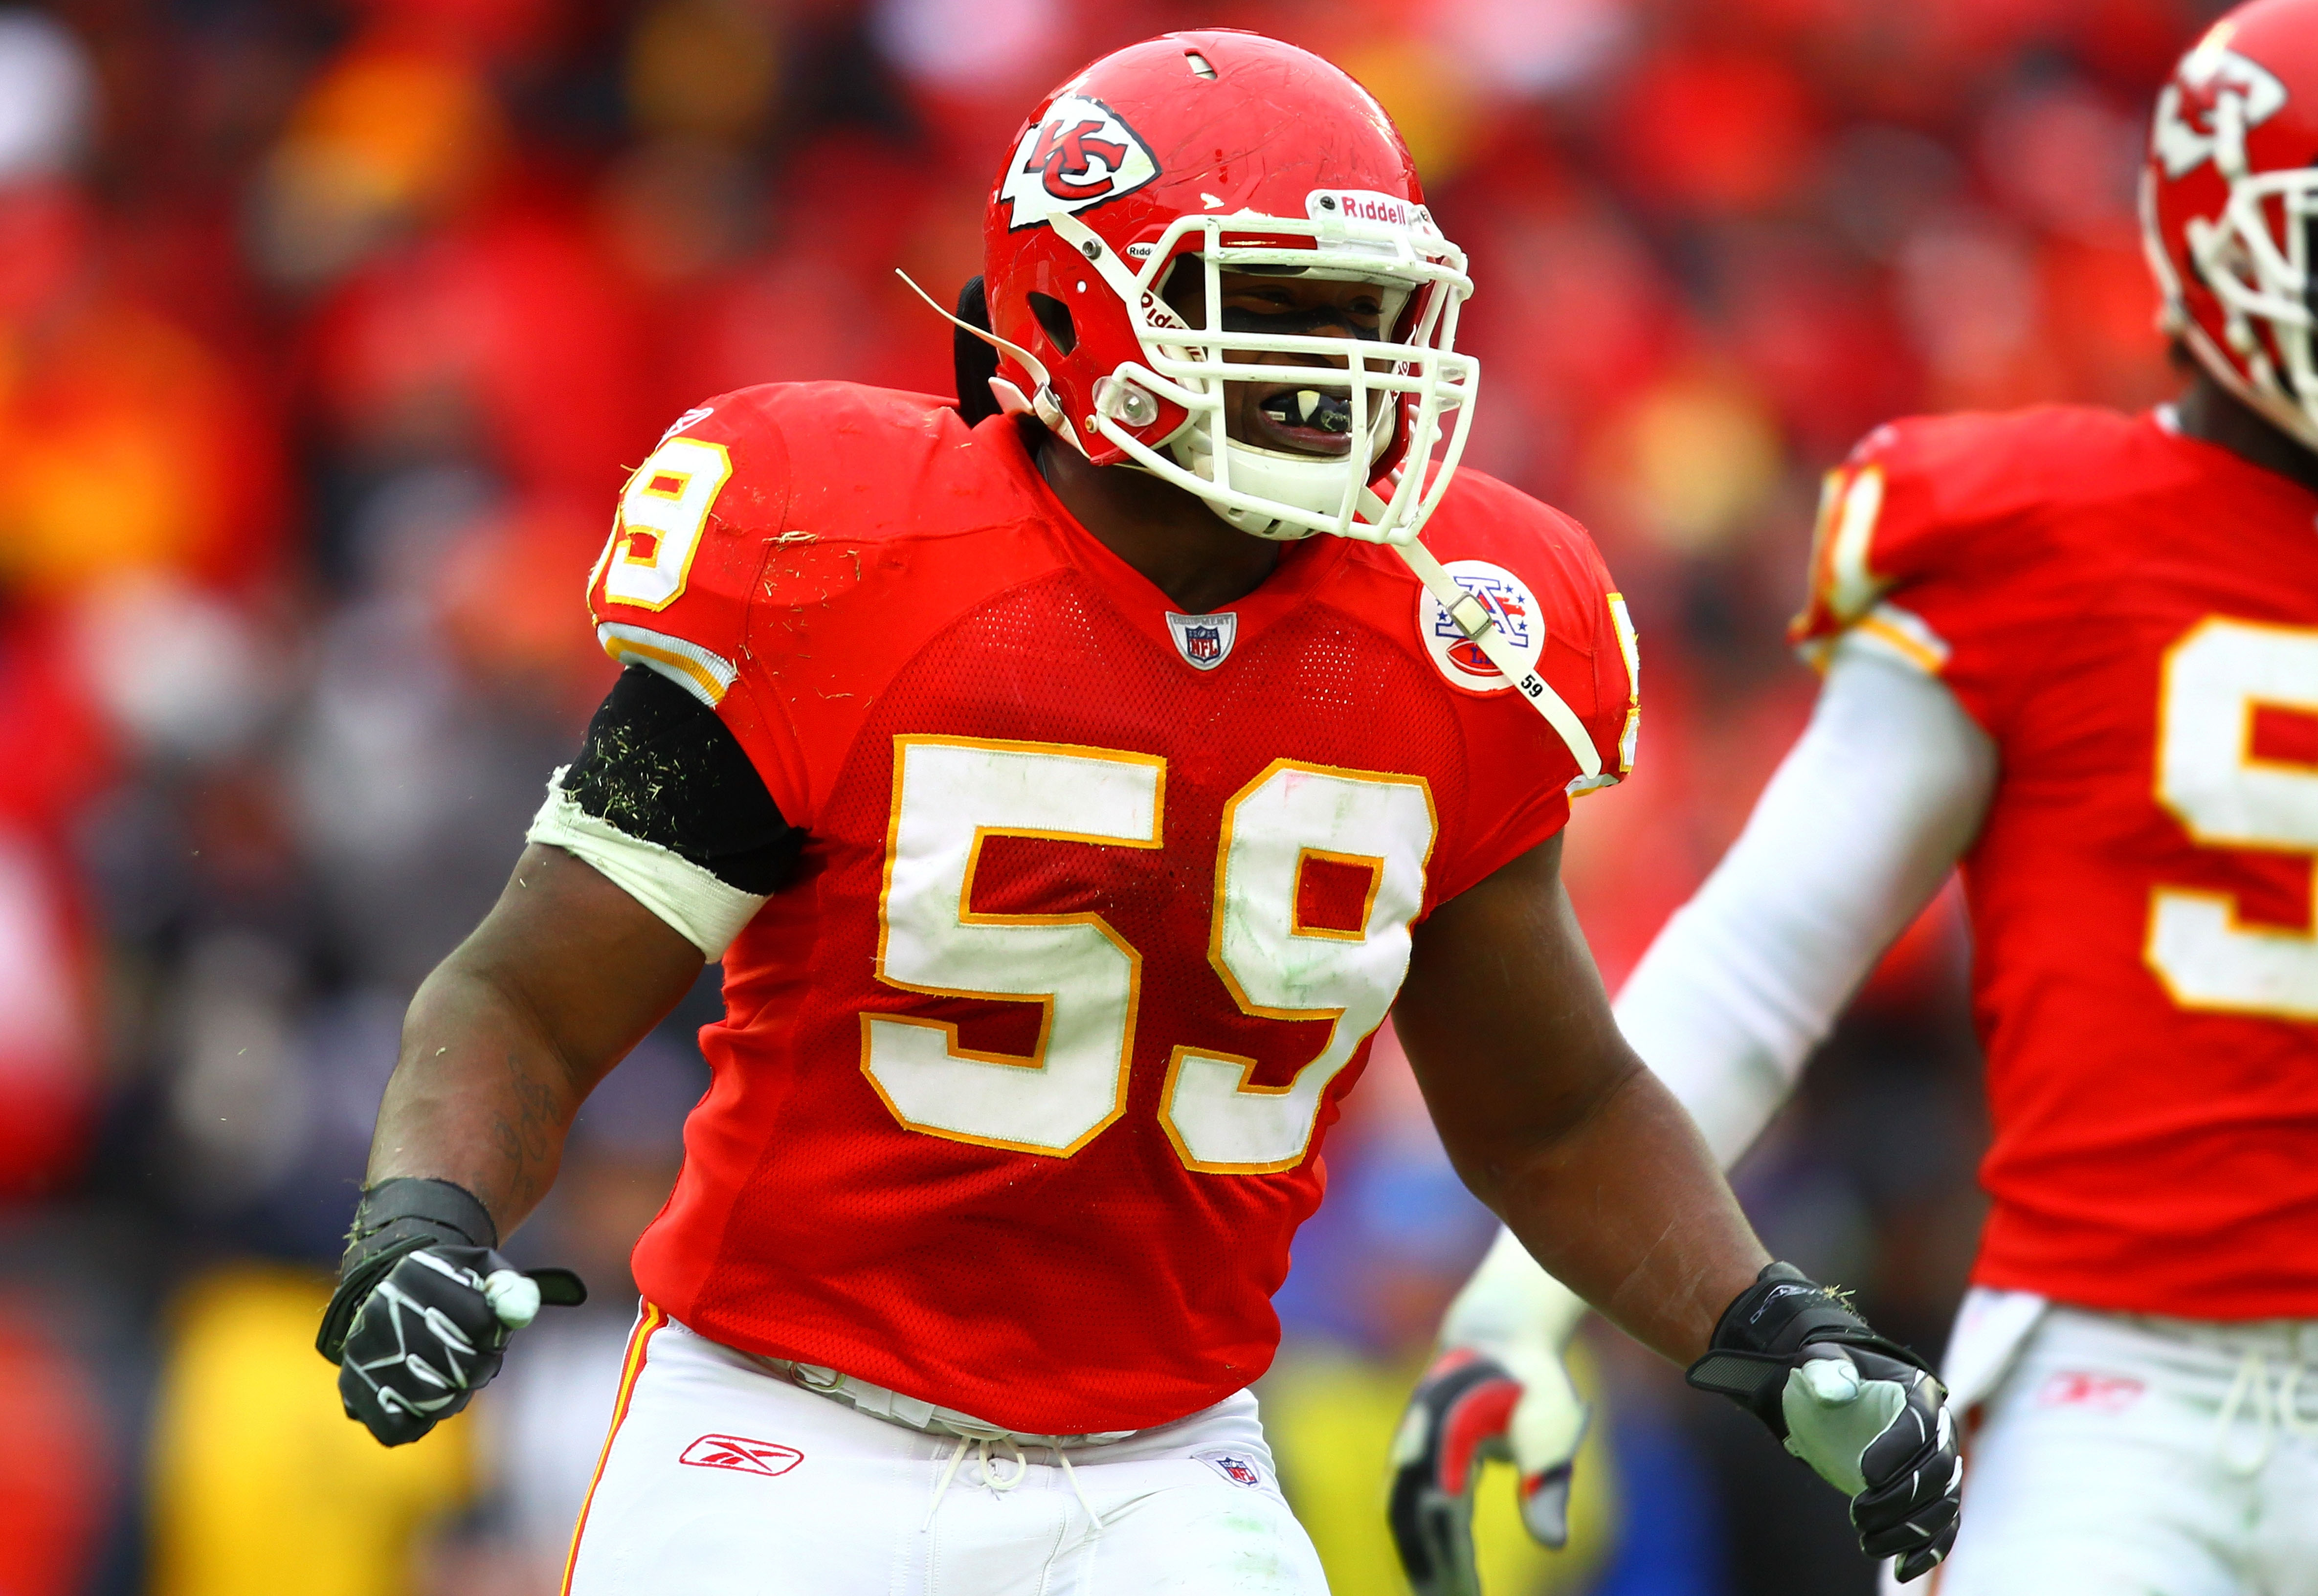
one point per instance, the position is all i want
(1244, 154)
(2230, 206)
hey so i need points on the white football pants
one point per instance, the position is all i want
(722, 1478)
(2118, 1455)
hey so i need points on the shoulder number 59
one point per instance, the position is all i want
(663, 510)
(951, 794)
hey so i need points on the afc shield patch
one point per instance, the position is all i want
(1509, 603)
(1205, 641)
(1079, 154)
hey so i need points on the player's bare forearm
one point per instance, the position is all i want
(1630, 1210)
(1556, 1124)
(511, 1032)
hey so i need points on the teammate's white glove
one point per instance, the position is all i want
(1498, 1389)
(1864, 1412)
(425, 1306)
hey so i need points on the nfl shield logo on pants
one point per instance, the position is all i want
(1237, 1469)
(1205, 641)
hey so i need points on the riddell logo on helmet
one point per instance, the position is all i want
(1360, 204)
(1079, 154)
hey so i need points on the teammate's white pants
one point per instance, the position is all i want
(2118, 1455)
(722, 1478)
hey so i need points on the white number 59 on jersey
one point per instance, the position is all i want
(2225, 797)
(952, 793)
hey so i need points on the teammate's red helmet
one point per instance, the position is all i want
(2230, 205)
(1251, 154)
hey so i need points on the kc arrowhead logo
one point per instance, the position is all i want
(1079, 154)
(2190, 127)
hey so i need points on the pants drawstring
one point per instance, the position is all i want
(991, 1480)
(2289, 1405)
(2272, 1411)
(1000, 1484)
(941, 1489)
(1062, 1462)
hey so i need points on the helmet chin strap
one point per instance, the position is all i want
(1472, 618)
(1469, 614)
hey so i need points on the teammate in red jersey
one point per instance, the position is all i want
(1066, 823)
(2076, 652)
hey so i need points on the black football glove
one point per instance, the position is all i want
(425, 1306)
(1864, 1412)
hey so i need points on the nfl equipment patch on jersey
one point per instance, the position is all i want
(1205, 641)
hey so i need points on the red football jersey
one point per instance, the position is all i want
(2133, 616)
(1022, 1082)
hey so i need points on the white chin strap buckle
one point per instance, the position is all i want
(1480, 628)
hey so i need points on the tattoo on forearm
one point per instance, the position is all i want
(527, 1130)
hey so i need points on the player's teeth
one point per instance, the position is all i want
(1313, 407)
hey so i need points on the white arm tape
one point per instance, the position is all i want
(696, 906)
(1855, 834)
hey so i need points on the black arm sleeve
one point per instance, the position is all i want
(659, 766)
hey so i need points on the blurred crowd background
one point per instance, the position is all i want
(327, 332)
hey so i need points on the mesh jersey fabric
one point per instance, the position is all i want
(2133, 616)
(880, 579)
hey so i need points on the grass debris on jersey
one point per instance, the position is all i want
(1025, 1078)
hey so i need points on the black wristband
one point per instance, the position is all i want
(1779, 1312)
(1756, 1341)
(395, 1217)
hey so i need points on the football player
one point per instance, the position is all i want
(2075, 652)
(1066, 819)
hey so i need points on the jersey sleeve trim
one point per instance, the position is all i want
(1899, 634)
(1843, 587)
(706, 675)
(1630, 650)
(692, 903)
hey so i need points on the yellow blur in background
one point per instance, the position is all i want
(261, 1486)
(1331, 1416)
